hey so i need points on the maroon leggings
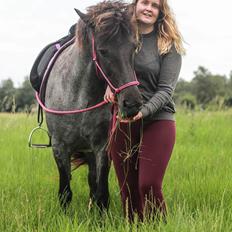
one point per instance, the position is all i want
(140, 156)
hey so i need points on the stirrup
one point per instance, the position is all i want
(37, 145)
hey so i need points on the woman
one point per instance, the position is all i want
(142, 146)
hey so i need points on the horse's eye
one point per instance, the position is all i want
(103, 52)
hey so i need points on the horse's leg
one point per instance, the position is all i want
(62, 159)
(92, 178)
(102, 173)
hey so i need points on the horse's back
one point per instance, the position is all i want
(61, 81)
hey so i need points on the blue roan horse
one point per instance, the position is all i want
(74, 84)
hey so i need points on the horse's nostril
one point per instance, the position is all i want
(126, 103)
(130, 104)
(130, 107)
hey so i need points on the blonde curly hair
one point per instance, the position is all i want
(168, 32)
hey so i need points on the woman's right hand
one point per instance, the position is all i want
(109, 96)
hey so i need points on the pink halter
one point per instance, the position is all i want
(98, 68)
(116, 90)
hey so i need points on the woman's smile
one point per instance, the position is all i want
(147, 12)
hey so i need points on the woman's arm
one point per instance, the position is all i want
(169, 72)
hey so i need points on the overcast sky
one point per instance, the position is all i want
(26, 26)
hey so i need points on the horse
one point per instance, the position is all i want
(106, 32)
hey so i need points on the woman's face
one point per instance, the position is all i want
(147, 11)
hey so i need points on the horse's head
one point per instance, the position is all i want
(110, 24)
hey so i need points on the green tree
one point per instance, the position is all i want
(228, 99)
(25, 97)
(207, 87)
(7, 95)
(183, 86)
(229, 85)
(183, 94)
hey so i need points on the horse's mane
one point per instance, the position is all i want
(108, 18)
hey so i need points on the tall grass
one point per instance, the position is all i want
(197, 185)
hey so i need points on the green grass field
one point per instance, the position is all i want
(197, 185)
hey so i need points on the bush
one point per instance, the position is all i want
(228, 101)
(188, 101)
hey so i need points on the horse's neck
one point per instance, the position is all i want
(87, 76)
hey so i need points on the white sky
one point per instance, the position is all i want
(26, 26)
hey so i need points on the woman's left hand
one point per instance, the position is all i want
(127, 120)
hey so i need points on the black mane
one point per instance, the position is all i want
(108, 18)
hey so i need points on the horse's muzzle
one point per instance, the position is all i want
(130, 108)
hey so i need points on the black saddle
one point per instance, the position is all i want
(41, 63)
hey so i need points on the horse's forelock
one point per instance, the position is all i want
(109, 24)
(108, 18)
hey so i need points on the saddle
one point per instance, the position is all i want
(39, 75)
(45, 56)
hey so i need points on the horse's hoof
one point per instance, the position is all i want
(90, 206)
(65, 199)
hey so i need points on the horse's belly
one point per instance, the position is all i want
(69, 132)
(81, 132)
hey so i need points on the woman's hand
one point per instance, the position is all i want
(109, 96)
(127, 120)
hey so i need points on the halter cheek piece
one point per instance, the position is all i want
(98, 69)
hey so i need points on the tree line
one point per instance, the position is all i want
(204, 91)
(12, 99)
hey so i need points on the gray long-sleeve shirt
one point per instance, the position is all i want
(158, 76)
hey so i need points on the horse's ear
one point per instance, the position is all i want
(83, 16)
